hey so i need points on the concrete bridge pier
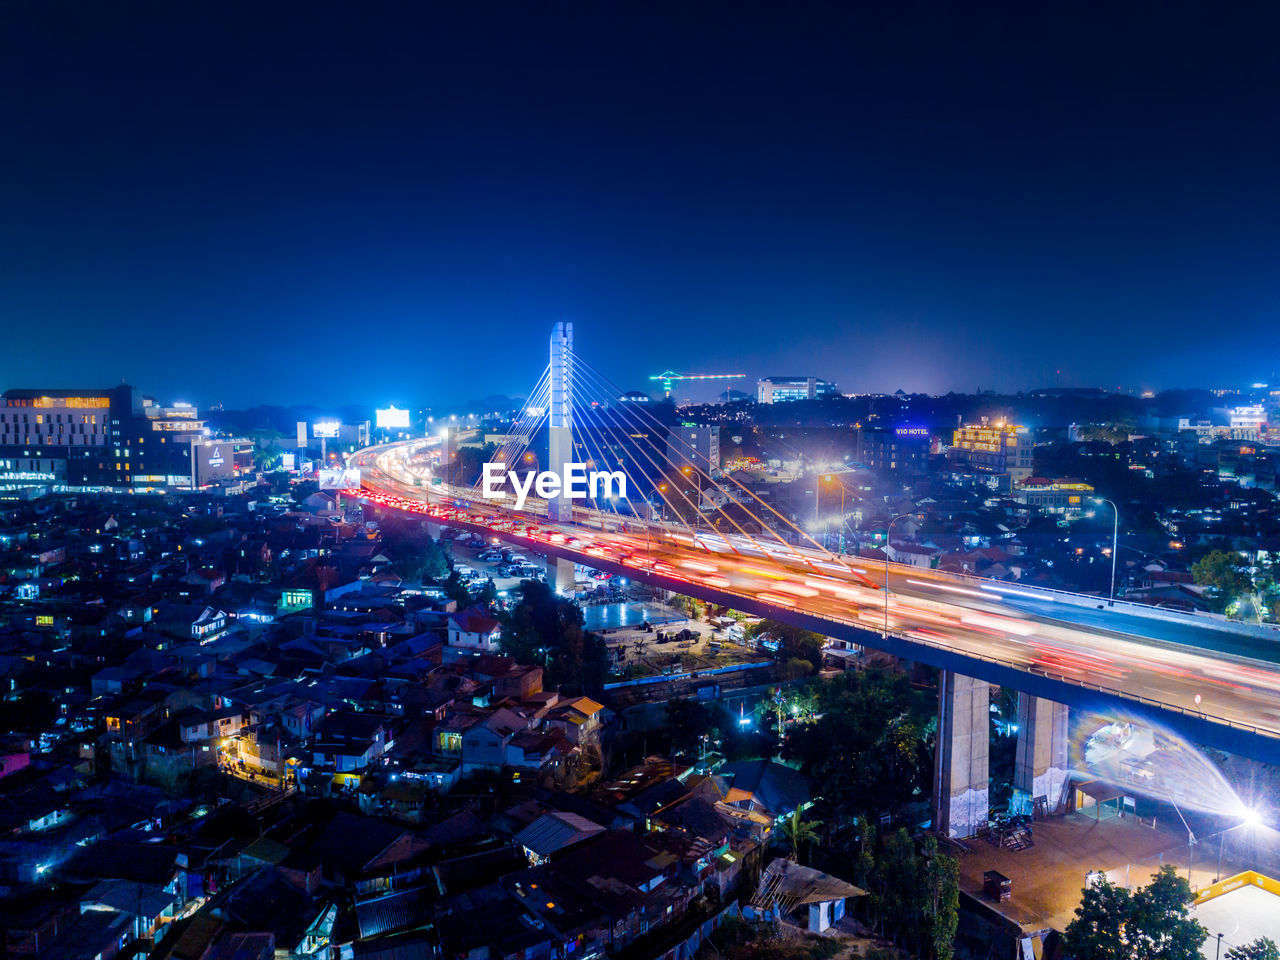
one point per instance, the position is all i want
(1042, 762)
(560, 575)
(960, 775)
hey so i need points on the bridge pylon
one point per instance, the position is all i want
(560, 435)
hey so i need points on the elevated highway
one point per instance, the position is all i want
(1216, 682)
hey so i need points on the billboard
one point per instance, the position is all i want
(325, 428)
(339, 478)
(393, 419)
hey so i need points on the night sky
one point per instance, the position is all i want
(370, 203)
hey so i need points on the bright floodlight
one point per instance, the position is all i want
(1251, 818)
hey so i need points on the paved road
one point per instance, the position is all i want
(1228, 676)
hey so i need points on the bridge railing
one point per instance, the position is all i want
(1063, 678)
(1021, 667)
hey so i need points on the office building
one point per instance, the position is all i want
(898, 450)
(1065, 498)
(999, 450)
(109, 441)
(695, 445)
(1248, 422)
(783, 389)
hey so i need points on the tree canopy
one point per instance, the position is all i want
(548, 630)
(1223, 574)
(1152, 923)
(1264, 948)
(867, 748)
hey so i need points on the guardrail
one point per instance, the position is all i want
(1048, 675)
(1031, 669)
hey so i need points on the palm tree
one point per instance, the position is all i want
(797, 832)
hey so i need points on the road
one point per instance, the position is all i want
(1200, 668)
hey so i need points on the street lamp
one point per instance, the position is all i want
(1250, 819)
(1115, 545)
(887, 533)
(829, 477)
(1191, 840)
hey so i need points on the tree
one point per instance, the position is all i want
(1153, 923)
(687, 722)
(797, 832)
(457, 591)
(1264, 948)
(1223, 574)
(942, 901)
(867, 749)
(794, 643)
(548, 630)
(1097, 932)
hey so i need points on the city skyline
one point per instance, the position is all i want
(698, 198)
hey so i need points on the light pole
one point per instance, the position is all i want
(829, 477)
(1115, 545)
(1250, 819)
(1191, 840)
(888, 531)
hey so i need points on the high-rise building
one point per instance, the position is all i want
(782, 389)
(108, 440)
(999, 449)
(695, 445)
(898, 450)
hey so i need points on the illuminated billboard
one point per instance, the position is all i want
(325, 428)
(339, 478)
(393, 419)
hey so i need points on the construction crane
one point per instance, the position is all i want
(670, 377)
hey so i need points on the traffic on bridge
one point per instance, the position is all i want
(1172, 663)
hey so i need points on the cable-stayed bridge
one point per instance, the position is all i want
(683, 526)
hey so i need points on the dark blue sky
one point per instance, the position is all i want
(349, 203)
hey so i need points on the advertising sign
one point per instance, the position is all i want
(339, 478)
(392, 419)
(325, 428)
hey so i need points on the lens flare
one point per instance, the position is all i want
(1145, 758)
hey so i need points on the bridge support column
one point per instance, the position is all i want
(960, 777)
(1042, 762)
(561, 575)
(560, 416)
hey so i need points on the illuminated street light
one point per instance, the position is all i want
(888, 538)
(1115, 545)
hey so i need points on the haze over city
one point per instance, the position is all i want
(1000, 198)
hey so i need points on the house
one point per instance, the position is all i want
(531, 750)
(349, 741)
(148, 906)
(190, 621)
(580, 719)
(484, 746)
(912, 554)
(788, 888)
(474, 629)
(766, 789)
(553, 833)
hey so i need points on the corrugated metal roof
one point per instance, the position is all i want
(556, 831)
